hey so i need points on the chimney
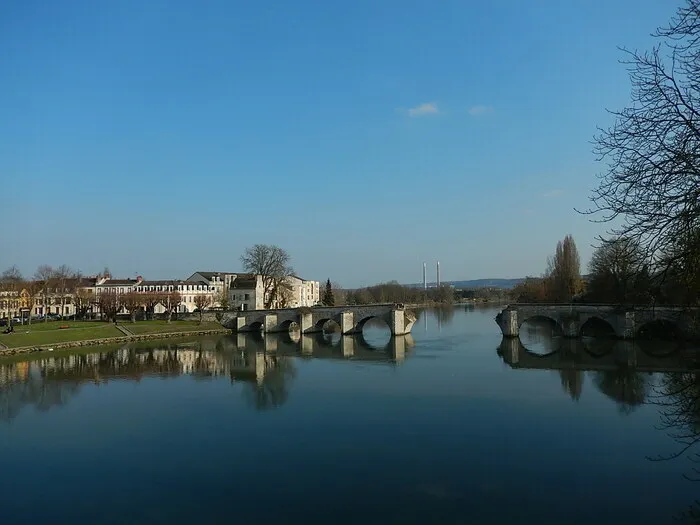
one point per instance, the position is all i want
(425, 278)
(438, 274)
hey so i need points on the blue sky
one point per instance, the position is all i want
(365, 137)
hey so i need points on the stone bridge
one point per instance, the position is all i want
(624, 321)
(351, 319)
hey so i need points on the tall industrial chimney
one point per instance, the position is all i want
(438, 274)
(425, 278)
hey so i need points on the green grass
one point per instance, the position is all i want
(152, 327)
(53, 325)
(28, 336)
(39, 333)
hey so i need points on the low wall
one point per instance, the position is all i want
(107, 341)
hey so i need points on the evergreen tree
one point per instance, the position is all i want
(328, 298)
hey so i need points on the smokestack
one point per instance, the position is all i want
(438, 274)
(425, 278)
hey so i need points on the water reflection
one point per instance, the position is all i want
(621, 370)
(263, 362)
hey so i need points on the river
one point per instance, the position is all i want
(449, 425)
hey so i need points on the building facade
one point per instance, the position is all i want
(248, 293)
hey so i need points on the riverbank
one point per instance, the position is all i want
(48, 339)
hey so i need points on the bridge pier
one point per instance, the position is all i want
(306, 323)
(347, 323)
(508, 321)
(398, 323)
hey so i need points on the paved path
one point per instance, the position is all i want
(123, 330)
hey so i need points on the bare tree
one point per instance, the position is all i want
(11, 276)
(132, 301)
(110, 303)
(564, 271)
(202, 301)
(272, 263)
(11, 281)
(618, 272)
(82, 300)
(61, 277)
(222, 299)
(33, 289)
(151, 300)
(338, 294)
(45, 275)
(651, 187)
(172, 301)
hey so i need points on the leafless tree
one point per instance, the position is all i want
(151, 300)
(33, 289)
(61, 278)
(172, 301)
(132, 301)
(11, 276)
(564, 271)
(651, 186)
(110, 303)
(202, 301)
(338, 294)
(45, 275)
(82, 300)
(272, 263)
(618, 272)
(223, 300)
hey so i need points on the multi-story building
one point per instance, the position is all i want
(248, 293)
(189, 292)
(221, 281)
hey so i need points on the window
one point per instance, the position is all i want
(247, 296)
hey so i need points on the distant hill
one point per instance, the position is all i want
(488, 283)
(506, 284)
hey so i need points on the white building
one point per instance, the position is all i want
(248, 293)
(189, 292)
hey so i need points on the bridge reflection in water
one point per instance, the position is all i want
(265, 363)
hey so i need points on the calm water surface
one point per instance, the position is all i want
(451, 425)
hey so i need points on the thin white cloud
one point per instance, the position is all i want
(553, 193)
(479, 110)
(427, 108)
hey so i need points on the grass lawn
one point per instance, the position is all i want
(152, 327)
(37, 326)
(40, 333)
(49, 333)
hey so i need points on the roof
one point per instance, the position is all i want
(119, 282)
(246, 283)
(173, 282)
(209, 275)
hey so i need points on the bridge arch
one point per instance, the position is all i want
(359, 325)
(540, 335)
(288, 325)
(324, 323)
(596, 326)
(256, 326)
(659, 329)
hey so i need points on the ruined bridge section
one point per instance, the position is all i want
(625, 321)
(351, 319)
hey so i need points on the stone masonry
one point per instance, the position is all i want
(625, 321)
(351, 319)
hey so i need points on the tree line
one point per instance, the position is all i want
(620, 272)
